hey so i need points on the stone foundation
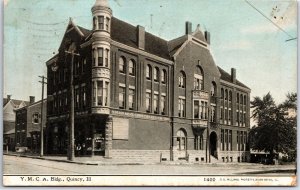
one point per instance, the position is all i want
(141, 155)
(234, 156)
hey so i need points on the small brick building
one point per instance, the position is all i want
(137, 95)
(28, 126)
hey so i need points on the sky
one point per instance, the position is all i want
(240, 37)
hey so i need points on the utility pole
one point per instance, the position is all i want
(71, 149)
(42, 109)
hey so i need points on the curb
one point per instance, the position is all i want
(56, 160)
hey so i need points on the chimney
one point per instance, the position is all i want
(207, 36)
(233, 75)
(141, 37)
(188, 27)
(8, 98)
(31, 99)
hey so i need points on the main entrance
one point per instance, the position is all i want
(213, 144)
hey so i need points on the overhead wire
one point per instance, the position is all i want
(260, 12)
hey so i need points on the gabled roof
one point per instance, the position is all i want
(126, 33)
(12, 131)
(175, 44)
(227, 77)
(198, 34)
(15, 103)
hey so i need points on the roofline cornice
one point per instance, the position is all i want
(235, 85)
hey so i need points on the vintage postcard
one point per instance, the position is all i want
(150, 93)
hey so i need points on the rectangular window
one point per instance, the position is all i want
(163, 105)
(241, 140)
(77, 98)
(105, 93)
(213, 113)
(107, 24)
(83, 65)
(94, 56)
(238, 140)
(245, 140)
(99, 93)
(226, 142)
(155, 103)
(121, 97)
(94, 93)
(181, 107)
(94, 23)
(101, 22)
(221, 115)
(205, 110)
(106, 57)
(155, 77)
(230, 140)
(84, 96)
(148, 102)
(35, 118)
(222, 139)
(196, 109)
(131, 99)
(202, 110)
(65, 74)
(237, 117)
(100, 56)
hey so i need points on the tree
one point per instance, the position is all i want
(274, 132)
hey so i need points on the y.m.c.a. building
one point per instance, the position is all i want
(140, 96)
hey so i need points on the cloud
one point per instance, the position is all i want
(238, 45)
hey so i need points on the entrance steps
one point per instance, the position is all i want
(214, 160)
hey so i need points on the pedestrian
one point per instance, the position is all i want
(78, 148)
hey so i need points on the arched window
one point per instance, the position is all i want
(156, 74)
(122, 61)
(148, 72)
(198, 79)
(163, 76)
(237, 98)
(182, 79)
(245, 100)
(230, 96)
(213, 89)
(181, 139)
(226, 95)
(131, 68)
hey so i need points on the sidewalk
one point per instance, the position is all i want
(100, 160)
(84, 160)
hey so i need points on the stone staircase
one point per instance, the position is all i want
(214, 160)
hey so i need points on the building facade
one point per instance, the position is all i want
(28, 126)
(137, 95)
(9, 118)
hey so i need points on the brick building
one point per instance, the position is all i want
(28, 126)
(9, 118)
(137, 94)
